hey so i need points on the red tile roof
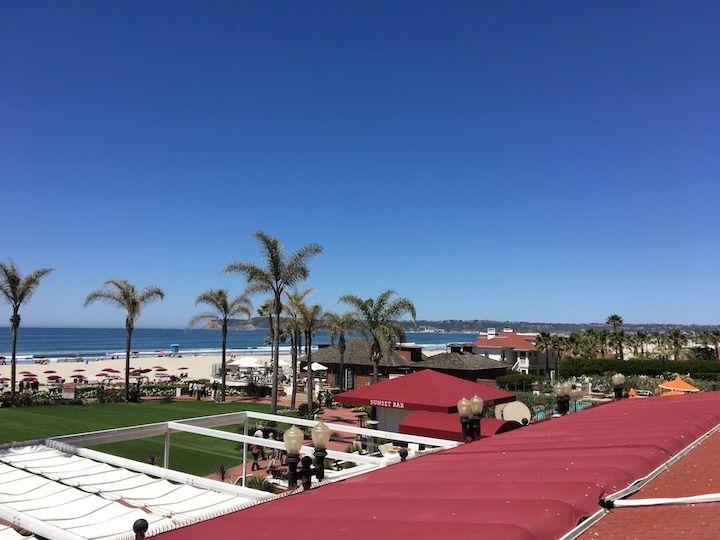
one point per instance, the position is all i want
(532, 483)
(505, 340)
(426, 390)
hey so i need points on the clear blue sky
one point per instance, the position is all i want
(553, 161)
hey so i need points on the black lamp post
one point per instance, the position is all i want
(562, 395)
(470, 413)
(293, 439)
(618, 381)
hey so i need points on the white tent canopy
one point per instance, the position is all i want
(247, 362)
(317, 366)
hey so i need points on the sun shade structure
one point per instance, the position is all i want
(447, 426)
(425, 390)
(247, 362)
(64, 495)
(678, 385)
(533, 483)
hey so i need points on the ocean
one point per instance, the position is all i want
(92, 342)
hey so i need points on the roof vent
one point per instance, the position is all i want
(508, 330)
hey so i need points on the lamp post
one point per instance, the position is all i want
(618, 381)
(470, 413)
(562, 395)
(293, 439)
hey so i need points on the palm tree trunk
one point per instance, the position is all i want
(547, 363)
(310, 381)
(128, 342)
(14, 325)
(223, 365)
(275, 355)
(294, 358)
(341, 349)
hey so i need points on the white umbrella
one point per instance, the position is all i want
(247, 362)
(316, 366)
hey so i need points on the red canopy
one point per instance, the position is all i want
(50, 371)
(425, 390)
(447, 426)
(532, 483)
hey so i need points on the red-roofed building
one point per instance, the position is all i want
(516, 349)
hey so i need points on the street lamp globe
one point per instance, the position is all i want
(293, 439)
(476, 405)
(565, 388)
(320, 434)
(618, 379)
(463, 407)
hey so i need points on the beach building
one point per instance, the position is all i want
(457, 361)
(425, 390)
(515, 348)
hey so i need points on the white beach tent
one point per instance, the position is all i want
(247, 362)
(317, 366)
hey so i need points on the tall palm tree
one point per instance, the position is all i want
(676, 340)
(379, 321)
(294, 300)
(123, 294)
(16, 289)
(280, 272)
(224, 309)
(559, 345)
(311, 320)
(338, 325)
(618, 338)
(615, 320)
(544, 344)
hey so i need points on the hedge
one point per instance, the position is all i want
(636, 366)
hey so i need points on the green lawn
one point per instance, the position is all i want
(189, 453)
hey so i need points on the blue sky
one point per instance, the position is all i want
(505, 160)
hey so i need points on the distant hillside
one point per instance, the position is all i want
(478, 325)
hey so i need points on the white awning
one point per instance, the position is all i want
(316, 366)
(248, 362)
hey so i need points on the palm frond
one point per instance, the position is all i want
(107, 296)
(205, 317)
(217, 298)
(150, 294)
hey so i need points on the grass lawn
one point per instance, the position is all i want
(189, 453)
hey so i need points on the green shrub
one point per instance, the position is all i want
(259, 483)
(653, 367)
(516, 381)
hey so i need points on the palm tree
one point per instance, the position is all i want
(615, 320)
(544, 343)
(122, 294)
(266, 310)
(617, 339)
(294, 300)
(224, 309)
(559, 344)
(311, 320)
(339, 325)
(714, 338)
(279, 273)
(641, 338)
(17, 289)
(379, 321)
(676, 340)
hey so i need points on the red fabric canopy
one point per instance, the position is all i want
(447, 426)
(425, 390)
(532, 483)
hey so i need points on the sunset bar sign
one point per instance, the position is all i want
(384, 403)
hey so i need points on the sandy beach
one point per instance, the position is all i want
(199, 366)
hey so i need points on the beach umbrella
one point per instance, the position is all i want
(4, 378)
(54, 377)
(183, 368)
(25, 372)
(111, 370)
(316, 366)
(247, 362)
(50, 371)
(101, 374)
(160, 369)
(79, 369)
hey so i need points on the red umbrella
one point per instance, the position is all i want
(101, 374)
(160, 369)
(25, 372)
(79, 370)
(4, 378)
(54, 377)
(111, 370)
(50, 371)
(183, 368)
